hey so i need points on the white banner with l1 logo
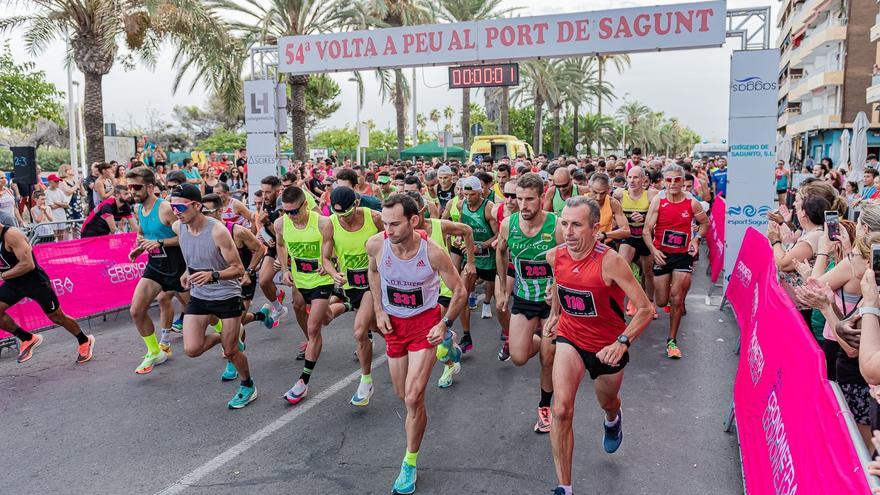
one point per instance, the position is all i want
(752, 141)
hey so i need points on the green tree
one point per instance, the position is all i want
(434, 117)
(522, 122)
(537, 86)
(338, 139)
(449, 113)
(599, 130)
(620, 62)
(478, 116)
(631, 113)
(223, 140)
(25, 95)
(97, 30)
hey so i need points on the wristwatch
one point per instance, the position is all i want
(446, 321)
(623, 339)
(865, 310)
(215, 276)
(161, 243)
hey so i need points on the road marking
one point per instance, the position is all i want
(236, 450)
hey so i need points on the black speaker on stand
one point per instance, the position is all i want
(24, 164)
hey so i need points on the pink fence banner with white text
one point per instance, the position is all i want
(715, 237)
(90, 276)
(793, 433)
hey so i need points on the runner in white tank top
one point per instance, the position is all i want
(403, 277)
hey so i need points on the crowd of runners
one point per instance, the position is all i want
(574, 258)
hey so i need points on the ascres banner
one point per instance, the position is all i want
(752, 141)
(90, 276)
(715, 237)
(666, 27)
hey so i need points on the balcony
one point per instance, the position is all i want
(873, 92)
(830, 33)
(784, 87)
(807, 85)
(813, 119)
(785, 57)
(875, 29)
(799, 17)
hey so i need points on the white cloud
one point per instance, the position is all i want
(691, 85)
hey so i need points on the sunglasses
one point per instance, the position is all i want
(181, 207)
(344, 213)
(619, 170)
(135, 187)
(293, 211)
(208, 211)
(673, 180)
(510, 195)
(562, 186)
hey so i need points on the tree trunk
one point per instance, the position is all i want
(400, 108)
(298, 85)
(505, 110)
(465, 118)
(575, 129)
(93, 116)
(599, 102)
(536, 130)
(556, 131)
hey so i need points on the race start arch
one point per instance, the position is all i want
(752, 135)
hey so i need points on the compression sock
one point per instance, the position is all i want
(152, 344)
(81, 338)
(366, 379)
(247, 383)
(259, 316)
(166, 336)
(22, 335)
(307, 371)
(545, 398)
(612, 423)
(410, 458)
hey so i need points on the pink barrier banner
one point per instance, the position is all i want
(793, 434)
(90, 276)
(715, 237)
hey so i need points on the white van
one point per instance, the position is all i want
(703, 151)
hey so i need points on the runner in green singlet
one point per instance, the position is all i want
(562, 189)
(527, 236)
(476, 213)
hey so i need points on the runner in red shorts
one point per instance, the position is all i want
(592, 335)
(403, 275)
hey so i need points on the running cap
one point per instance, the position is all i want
(342, 198)
(53, 178)
(444, 169)
(472, 183)
(187, 191)
(383, 179)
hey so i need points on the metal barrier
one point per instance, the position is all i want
(40, 233)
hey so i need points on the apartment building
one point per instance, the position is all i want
(825, 71)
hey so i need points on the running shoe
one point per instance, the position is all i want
(448, 372)
(279, 314)
(362, 396)
(177, 325)
(243, 397)
(487, 311)
(301, 355)
(667, 308)
(218, 327)
(472, 301)
(672, 350)
(296, 394)
(406, 480)
(544, 420)
(558, 491)
(26, 347)
(229, 373)
(166, 348)
(466, 343)
(613, 435)
(84, 352)
(504, 353)
(268, 321)
(151, 361)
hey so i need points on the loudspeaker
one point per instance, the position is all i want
(24, 164)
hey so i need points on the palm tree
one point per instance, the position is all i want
(434, 117)
(599, 129)
(97, 30)
(264, 23)
(421, 122)
(583, 87)
(620, 62)
(449, 112)
(631, 113)
(464, 11)
(537, 86)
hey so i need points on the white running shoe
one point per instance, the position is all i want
(487, 311)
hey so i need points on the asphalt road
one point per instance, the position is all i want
(101, 429)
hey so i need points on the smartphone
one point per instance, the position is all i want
(832, 220)
(875, 261)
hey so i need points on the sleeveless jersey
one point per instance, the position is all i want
(151, 225)
(409, 287)
(558, 202)
(230, 216)
(454, 210)
(591, 314)
(484, 258)
(8, 261)
(304, 249)
(351, 250)
(672, 234)
(437, 236)
(202, 254)
(606, 216)
(244, 253)
(630, 206)
(529, 255)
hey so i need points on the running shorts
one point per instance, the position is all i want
(444, 301)
(675, 262)
(638, 243)
(166, 269)
(456, 250)
(223, 309)
(38, 288)
(319, 292)
(410, 334)
(248, 291)
(272, 252)
(511, 271)
(592, 364)
(486, 275)
(355, 296)
(530, 309)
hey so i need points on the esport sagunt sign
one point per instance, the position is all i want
(667, 27)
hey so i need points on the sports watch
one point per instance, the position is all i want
(215, 276)
(446, 321)
(623, 339)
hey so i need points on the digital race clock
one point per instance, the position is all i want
(483, 76)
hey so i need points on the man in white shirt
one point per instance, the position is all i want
(59, 202)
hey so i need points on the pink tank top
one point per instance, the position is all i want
(409, 287)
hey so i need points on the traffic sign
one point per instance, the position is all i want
(579, 146)
(476, 129)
